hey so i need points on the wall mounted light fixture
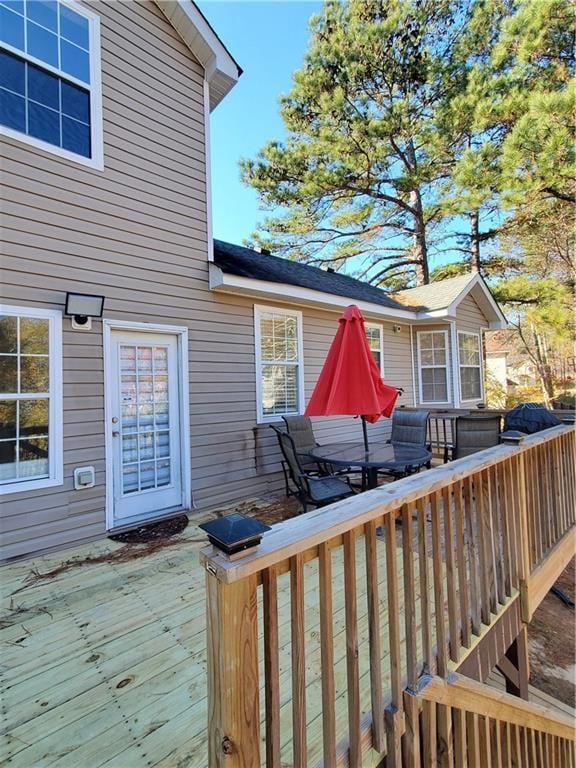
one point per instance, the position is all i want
(82, 307)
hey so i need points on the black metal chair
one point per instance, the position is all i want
(475, 433)
(317, 490)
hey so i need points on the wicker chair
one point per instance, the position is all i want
(475, 433)
(310, 489)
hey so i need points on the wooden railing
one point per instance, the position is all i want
(317, 643)
(484, 728)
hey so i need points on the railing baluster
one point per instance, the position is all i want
(298, 661)
(505, 501)
(393, 612)
(461, 563)
(373, 601)
(423, 555)
(500, 562)
(473, 740)
(327, 655)
(352, 670)
(409, 597)
(453, 603)
(460, 738)
(480, 485)
(445, 744)
(429, 734)
(438, 571)
(271, 667)
(473, 557)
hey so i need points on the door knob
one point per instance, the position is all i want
(114, 419)
(115, 433)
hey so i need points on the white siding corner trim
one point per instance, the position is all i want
(259, 312)
(109, 325)
(55, 412)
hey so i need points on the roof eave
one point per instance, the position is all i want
(285, 293)
(220, 69)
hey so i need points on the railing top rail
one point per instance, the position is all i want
(299, 534)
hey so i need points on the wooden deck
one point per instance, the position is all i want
(104, 664)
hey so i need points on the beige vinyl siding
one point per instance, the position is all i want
(135, 232)
(470, 318)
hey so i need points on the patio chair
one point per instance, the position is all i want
(317, 490)
(475, 433)
(300, 430)
(409, 428)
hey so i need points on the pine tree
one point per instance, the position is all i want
(360, 171)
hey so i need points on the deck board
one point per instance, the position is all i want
(105, 665)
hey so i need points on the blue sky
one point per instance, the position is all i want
(268, 40)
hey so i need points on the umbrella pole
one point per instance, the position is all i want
(365, 433)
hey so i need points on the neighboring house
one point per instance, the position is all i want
(164, 403)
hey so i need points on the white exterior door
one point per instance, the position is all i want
(144, 415)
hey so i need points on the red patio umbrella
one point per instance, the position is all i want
(350, 383)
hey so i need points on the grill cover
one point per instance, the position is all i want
(530, 418)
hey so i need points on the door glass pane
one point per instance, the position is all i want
(144, 388)
(8, 374)
(34, 418)
(34, 374)
(130, 478)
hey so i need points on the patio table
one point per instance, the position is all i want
(386, 456)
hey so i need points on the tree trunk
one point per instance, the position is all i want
(419, 247)
(474, 242)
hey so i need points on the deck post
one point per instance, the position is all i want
(233, 699)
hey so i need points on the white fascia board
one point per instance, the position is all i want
(221, 71)
(294, 294)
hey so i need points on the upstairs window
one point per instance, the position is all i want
(279, 369)
(470, 366)
(50, 77)
(374, 335)
(433, 368)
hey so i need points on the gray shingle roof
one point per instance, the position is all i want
(435, 295)
(244, 262)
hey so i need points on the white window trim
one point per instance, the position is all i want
(259, 309)
(55, 412)
(95, 89)
(479, 366)
(421, 390)
(381, 332)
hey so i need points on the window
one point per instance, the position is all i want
(432, 348)
(30, 399)
(374, 336)
(279, 369)
(50, 77)
(470, 366)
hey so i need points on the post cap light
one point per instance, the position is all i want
(235, 534)
(81, 306)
